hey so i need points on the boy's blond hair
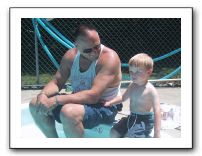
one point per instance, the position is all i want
(142, 60)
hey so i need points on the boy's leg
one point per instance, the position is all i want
(115, 134)
(119, 129)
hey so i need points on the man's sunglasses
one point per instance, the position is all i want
(91, 49)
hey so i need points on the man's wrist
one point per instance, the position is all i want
(56, 100)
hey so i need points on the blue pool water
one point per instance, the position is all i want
(101, 131)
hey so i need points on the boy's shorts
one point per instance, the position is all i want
(142, 125)
(94, 114)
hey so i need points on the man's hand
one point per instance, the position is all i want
(45, 105)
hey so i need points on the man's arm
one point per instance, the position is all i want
(55, 85)
(157, 114)
(121, 98)
(109, 67)
(61, 76)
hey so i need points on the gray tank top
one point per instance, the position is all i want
(84, 80)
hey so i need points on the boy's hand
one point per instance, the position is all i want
(107, 104)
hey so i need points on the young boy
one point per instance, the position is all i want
(144, 102)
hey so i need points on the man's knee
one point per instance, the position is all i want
(72, 113)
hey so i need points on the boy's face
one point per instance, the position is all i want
(139, 74)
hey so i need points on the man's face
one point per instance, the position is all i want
(89, 48)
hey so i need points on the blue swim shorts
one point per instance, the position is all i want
(94, 114)
(136, 125)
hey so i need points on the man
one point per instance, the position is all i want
(94, 71)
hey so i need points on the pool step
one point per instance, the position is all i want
(28, 125)
(100, 131)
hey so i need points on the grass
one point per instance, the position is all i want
(28, 79)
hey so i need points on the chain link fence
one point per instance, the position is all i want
(127, 36)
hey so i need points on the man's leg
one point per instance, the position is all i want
(45, 123)
(71, 116)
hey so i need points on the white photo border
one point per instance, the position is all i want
(15, 15)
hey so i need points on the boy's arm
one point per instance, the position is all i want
(157, 114)
(114, 101)
(121, 98)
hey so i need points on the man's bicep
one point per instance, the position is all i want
(106, 74)
(102, 82)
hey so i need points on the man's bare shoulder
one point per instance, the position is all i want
(70, 54)
(109, 56)
(68, 58)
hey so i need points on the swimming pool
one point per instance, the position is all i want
(30, 130)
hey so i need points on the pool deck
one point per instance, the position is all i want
(168, 95)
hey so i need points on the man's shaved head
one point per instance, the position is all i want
(83, 30)
(87, 33)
